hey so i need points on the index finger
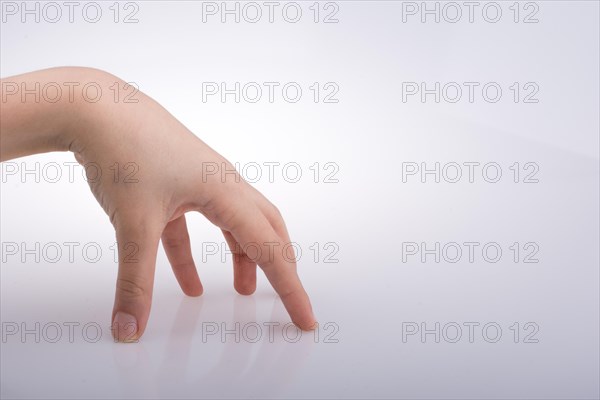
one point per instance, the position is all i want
(259, 239)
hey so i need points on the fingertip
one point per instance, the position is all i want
(190, 285)
(312, 327)
(307, 322)
(245, 289)
(301, 311)
(125, 328)
(193, 291)
(307, 326)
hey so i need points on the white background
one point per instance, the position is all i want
(375, 292)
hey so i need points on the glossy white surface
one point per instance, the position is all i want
(371, 298)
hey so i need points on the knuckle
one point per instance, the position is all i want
(268, 264)
(183, 265)
(129, 288)
(275, 212)
(276, 217)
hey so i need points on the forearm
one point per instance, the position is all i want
(29, 123)
(49, 110)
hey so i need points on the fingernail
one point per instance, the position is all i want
(125, 327)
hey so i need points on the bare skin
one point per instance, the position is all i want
(175, 174)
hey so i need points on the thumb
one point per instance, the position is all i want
(137, 241)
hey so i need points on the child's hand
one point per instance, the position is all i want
(154, 170)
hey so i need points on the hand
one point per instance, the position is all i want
(164, 172)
